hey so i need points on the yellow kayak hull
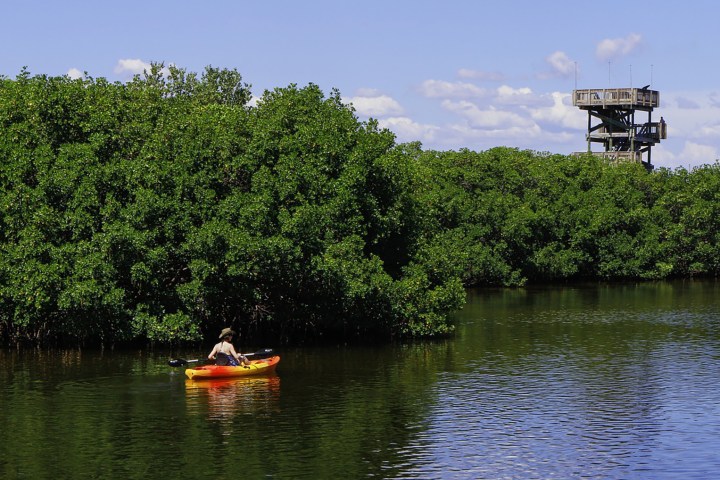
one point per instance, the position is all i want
(256, 367)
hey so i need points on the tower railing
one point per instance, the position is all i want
(636, 97)
(635, 156)
(653, 131)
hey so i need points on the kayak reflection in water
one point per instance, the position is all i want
(224, 353)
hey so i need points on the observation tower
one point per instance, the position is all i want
(612, 122)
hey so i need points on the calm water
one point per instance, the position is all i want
(582, 382)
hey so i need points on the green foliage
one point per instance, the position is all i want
(511, 217)
(168, 207)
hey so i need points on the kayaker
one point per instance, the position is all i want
(224, 353)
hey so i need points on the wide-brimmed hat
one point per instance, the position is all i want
(226, 332)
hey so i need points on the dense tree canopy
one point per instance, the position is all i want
(513, 217)
(169, 206)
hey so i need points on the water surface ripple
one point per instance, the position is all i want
(601, 382)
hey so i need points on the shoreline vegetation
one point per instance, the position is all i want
(170, 206)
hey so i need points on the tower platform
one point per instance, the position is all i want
(630, 98)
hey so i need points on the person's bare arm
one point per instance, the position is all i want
(212, 354)
(240, 358)
(234, 353)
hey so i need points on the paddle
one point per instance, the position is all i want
(178, 362)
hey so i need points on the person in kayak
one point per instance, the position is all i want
(224, 353)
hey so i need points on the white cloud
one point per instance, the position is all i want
(696, 154)
(615, 47)
(481, 75)
(507, 95)
(690, 115)
(662, 157)
(561, 113)
(378, 105)
(132, 66)
(510, 136)
(74, 73)
(407, 130)
(443, 89)
(490, 118)
(710, 131)
(560, 64)
(692, 155)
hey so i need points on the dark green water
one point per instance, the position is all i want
(571, 382)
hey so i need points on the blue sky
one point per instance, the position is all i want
(451, 74)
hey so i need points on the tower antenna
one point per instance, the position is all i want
(651, 74)
(575, 75)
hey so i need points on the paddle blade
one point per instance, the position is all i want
(265, 352)
(179, 362)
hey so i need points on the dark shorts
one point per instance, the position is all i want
(226, 360)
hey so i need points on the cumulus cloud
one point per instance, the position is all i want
(480, 75)
(408, 130)
(561, 113)
(615, 47)
(560, 64)
(490, 137)
(132, 66)
(490, 118)
(697, 154)
(444, 89)
(692, 155)
(74, 73)
(662, 157)
(253, 102)
(710, 131)
(376, 105)
(506, 95)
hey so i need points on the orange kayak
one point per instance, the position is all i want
(256, 367)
